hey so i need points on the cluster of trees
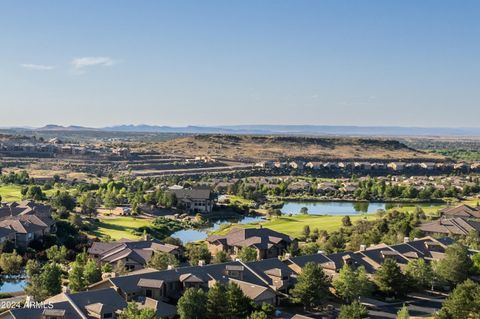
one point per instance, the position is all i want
(18, 178)
(221, 301)
(391, 228)
(84, 272)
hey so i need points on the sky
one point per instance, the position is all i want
(102, 63)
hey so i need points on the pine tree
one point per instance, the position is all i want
(217, 304)
(312, 286)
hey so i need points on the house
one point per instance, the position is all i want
(450, 226)
(96, 304)
(194, 199)
(371, 258)
(168, 285)
(134, 254)
(296, 164)
(265, 164)
(314, 165)
(298, 186)
(428, 166)
(396, 166)
(24, 222)
(266, 242)
(463, 211)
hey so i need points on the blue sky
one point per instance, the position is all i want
(100, 63)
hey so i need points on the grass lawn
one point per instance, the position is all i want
(119, 227)
(240, 200)
(10, 193)
(293, 225)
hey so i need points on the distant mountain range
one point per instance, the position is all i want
(334, 130)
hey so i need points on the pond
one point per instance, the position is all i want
(342, 208)
(12, 284)
(189, 235)
(293, 207)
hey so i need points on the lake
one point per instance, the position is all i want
(293, 207)
(343, 208)
(12, 284)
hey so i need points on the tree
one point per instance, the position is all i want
(238, 303)
(311, 287)
(463, 302)
(57, 254)
(258, 315)
(75, 220)
(51, 278)
(76, 281)
(247, 254)
(133, 312)
(91, 272)
(63, 200)
(161, 261)
(390, 279)
(351, 284)
(11, 263)
(419, 273)
(476, 263)
(306, 231)
(355, 310)
(217, 303)
(193, 304)
(107, 267)
(197, 252)
(453, 268)
(304, 211)
(346, 221)
(88, 203)
(220, 257)
(43, 282)
(403, 313)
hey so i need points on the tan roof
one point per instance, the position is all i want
(150, 283)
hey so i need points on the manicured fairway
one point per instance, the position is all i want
(10, 193)
(294, 225)
(120, 227)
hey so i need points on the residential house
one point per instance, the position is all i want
(24, 222)
(450, 226)
(194, 200)
(463, 211)
(133, 254)
(266, 242)
(167, 286)
(97, 304)
(314, 165)
(396, 166)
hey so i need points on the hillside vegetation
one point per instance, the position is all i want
(256, 148)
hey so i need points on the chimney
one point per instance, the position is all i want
(287, 255)
(201, 263)
(363, 247)
(406, 239)
(170, 267)
(320, 252)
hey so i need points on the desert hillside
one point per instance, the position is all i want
(255, 148)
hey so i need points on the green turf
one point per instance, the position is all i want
(120, 227)
(10, 193)
(293, 225)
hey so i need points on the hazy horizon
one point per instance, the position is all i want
(217, 63)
